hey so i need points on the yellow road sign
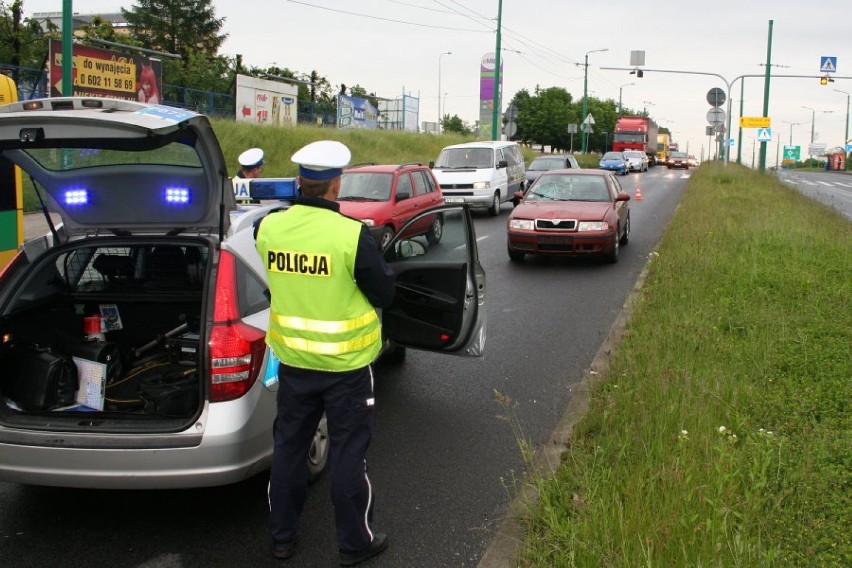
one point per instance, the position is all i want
(754, 122)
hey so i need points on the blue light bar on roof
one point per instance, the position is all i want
(77, 196)
(273, 188)
(177, 195)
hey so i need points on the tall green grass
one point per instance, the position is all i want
(721, 435)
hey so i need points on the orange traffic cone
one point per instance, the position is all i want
(639, 193)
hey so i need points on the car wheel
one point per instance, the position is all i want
(626, 236)
(318, 454)
(612, 257)
(385, 239)
(494, 210)
(395, 355)
(436, 231)
(516, 256)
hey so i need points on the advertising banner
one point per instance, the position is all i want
(99, 72)
(487, 68)
(355, 112)
(262, 101)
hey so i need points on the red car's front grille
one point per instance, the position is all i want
(556, 224)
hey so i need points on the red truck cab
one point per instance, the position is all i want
(636, 133)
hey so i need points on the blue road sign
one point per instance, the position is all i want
(827, 64)
(764, 134)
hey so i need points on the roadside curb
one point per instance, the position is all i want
(502, 552)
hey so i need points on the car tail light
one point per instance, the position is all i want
(236, 349)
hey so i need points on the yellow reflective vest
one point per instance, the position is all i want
(319, 318)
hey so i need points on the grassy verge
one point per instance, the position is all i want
(721, 435)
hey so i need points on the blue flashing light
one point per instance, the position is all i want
(273, 188)
(77, 197)
(177, 195)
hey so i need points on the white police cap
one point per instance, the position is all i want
(321, 160)
(251, 158)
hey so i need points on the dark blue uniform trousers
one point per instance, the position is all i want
(347, 399)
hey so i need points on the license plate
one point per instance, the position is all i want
(454, 200)
(548, 240)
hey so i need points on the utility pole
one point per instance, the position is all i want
(495, 113)
(586, 98)
(766, 95)
(67, 39)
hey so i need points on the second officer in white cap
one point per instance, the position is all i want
(251, 163)
(326, 279)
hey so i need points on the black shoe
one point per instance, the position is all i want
(284, 550)
(380, 542)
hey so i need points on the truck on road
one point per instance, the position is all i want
(636, 133)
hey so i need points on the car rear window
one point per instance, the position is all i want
(544, 164)
(67, 159)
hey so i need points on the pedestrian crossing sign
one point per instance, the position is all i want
(827, 64)
(764, 134)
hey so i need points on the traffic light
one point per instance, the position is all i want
(825, 80)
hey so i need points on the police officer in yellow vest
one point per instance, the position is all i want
(326, 279)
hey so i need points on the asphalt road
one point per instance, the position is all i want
(445, 459)
(830, 188)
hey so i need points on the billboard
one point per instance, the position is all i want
(262, 101)
(399, 114)
(355, 112)
(99, 72)
(487, 68)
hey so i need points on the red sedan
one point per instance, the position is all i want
(570, 213)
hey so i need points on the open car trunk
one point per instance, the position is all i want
(106, 332)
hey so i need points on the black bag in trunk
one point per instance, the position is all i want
(38, 379)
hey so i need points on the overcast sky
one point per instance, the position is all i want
(395, 46)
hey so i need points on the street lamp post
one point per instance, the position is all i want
(846, 137)
(619, 94)
(586, 97)
(440, 118)
(813, 121)
(792, 124)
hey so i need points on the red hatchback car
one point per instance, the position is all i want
(385, 197)
(570, 213)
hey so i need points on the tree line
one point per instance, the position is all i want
(191, 30)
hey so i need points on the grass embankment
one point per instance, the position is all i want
(379, 146)
(721, 435)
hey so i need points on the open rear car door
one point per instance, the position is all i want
(440, 287)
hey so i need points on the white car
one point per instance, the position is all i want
(133, 347)
(636, 161)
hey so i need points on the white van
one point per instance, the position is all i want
(483, 174)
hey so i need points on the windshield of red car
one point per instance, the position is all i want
(568, 188)
(365, 186)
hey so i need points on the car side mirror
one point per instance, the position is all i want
(408, 248)
(502, 164)
(622, 196)
(402, 196)
(431, 164)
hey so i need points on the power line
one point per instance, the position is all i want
(383, 19)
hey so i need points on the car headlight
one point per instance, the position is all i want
(481, 184)
(369, 222)
(601, 164)
(522, 224)
(592, 226)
